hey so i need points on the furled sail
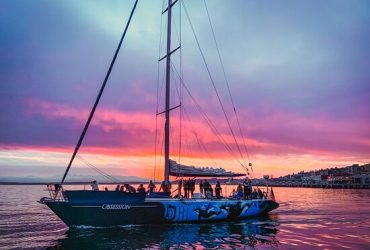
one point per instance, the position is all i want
(177, 169)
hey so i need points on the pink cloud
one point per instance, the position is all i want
(277, 133)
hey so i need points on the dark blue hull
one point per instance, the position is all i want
(90, 208)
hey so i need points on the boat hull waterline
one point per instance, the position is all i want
(134, 209)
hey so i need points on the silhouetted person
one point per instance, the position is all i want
(192, 187)
(201, 186)
(130, 188)
(247, 188)
(254, 194)
(164, 187)
(205, 187)
(260, 193)
(218, 190)
(239, 191)
(141, 188)
(179, 187)
(151, 187)
(94, 186)
(187, 188)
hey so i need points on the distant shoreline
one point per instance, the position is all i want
(323, 186)
(333, 186)
(67, 183)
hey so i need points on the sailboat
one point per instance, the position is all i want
(113, 208)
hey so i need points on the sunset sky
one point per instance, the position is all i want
(299, 72)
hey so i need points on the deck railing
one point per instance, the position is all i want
(55, 192)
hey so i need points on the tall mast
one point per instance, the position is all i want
(167, 108)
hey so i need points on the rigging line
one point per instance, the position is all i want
(212, 126)
(187, 116)
(226, 80)
(158, 142)
(97, 99)
(106, 175)
(158, 76)
(179, 95)
(209, 122)
(162, 148)
(212, 81)
(200, 143)
(94, 168)
(181, 90)
(180, 115)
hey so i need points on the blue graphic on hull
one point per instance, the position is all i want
(207, 210)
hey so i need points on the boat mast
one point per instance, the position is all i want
(167, 108)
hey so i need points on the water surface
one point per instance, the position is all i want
(306, 219)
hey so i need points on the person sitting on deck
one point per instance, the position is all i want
(141, 188)
(94, 186)
(117, 188)
(218, 190)
(164, 187)
(254, 194)
(151, 187)
(130, 188)
(106, 189)
(121, 189)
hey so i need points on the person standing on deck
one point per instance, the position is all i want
(205, 187)
(192, 187)
(201, 186)
(186, 185)
(179, 187)
(246, 188)
(94, 186)
(218, 190)
(151, 187)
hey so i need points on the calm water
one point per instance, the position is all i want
(306, 219)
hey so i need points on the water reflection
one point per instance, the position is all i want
(239, 234)
(306, 219)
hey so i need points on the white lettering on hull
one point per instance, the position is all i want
(116, 206)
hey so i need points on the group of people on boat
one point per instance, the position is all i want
(126, 188)
(188, 186)
(207, 190)
(244, 190)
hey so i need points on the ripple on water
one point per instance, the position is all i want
(306, 219)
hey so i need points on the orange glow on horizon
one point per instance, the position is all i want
(143, 165)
